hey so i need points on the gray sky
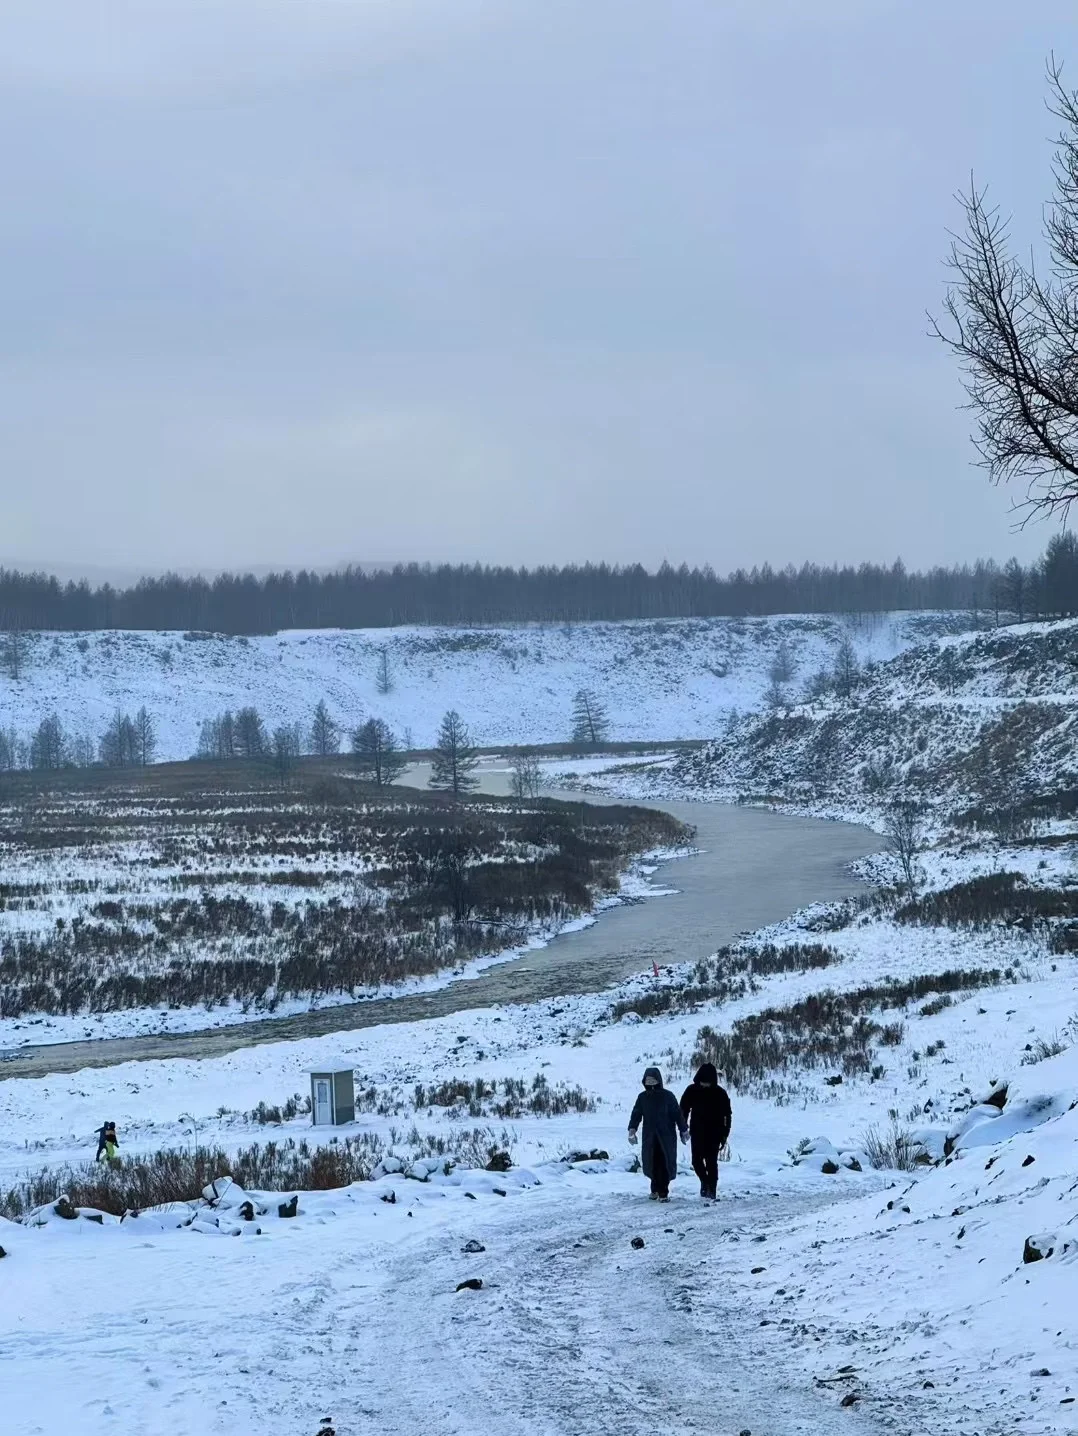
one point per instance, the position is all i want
(297, 281)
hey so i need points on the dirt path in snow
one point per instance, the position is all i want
(576, 1334)
(754, 867)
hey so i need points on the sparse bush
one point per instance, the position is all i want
(893, 1149)
(731, 973)
(480, 1098)
(1043, 1048)
(175, 1175)
(828, 1029)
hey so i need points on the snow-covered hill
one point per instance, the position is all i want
(980, 720)
(658, 680)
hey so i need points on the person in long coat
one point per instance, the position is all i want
(705, 1105)
(657, 1108)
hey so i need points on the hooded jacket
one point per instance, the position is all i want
(658, 1109)
(707, 1109)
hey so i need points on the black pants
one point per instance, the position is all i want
(705, 1163)
(660, 1177)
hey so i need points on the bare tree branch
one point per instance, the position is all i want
(1015, 334)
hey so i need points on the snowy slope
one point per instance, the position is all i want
(658, 680)
(977, 718)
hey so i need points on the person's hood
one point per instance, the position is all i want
(652, 1072)
(707, 1073)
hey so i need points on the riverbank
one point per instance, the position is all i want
(748, 868)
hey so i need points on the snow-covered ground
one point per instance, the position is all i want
(928, 1315)
(657, 680)
(820, 1291)
(636, 884)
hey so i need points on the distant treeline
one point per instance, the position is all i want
(470, 595)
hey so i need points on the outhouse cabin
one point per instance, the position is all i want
(333, 1096)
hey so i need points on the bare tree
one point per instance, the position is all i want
(286, 750)
(458, 848)
(525, 775)
(590, 723)
(455, 758)
(1015, 588)
(48, 747)
(82, 752)
(904, 827)
(384, 679)
(376, 752)
(118, 747)
(1014, 331)
(325, 731)
(847, 670)
(9, 750)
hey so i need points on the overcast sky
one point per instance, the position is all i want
(300, 281)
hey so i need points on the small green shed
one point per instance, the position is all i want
(333, 1095)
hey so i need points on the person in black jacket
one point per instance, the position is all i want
(706, 1107)
(658, 1109)
(107, 1142)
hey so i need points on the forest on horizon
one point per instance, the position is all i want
(463, 595)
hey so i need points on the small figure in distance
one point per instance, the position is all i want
(705, 1105)
(658, 1109)
(107, 1143)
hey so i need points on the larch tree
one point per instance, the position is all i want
(847, 671)
(376, 753)
(455, 758)
(145, 738)
(590, 723)
(325, 731)
(251, 740)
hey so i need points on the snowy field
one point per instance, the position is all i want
(892, 1252)
(658, 680)
(909, 1308)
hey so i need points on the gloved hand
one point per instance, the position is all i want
(632, 1139)
(684, 1139)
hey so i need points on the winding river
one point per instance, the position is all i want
(753, 867)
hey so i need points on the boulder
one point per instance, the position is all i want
(473, 1283)
(637, 1244)
(829, 1167)
(470, 1248)
(1037, 1248)
(289, 1208)
(63, 1208)
(500, 1162)
(217, 1193)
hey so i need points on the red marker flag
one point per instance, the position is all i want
(655, 965)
